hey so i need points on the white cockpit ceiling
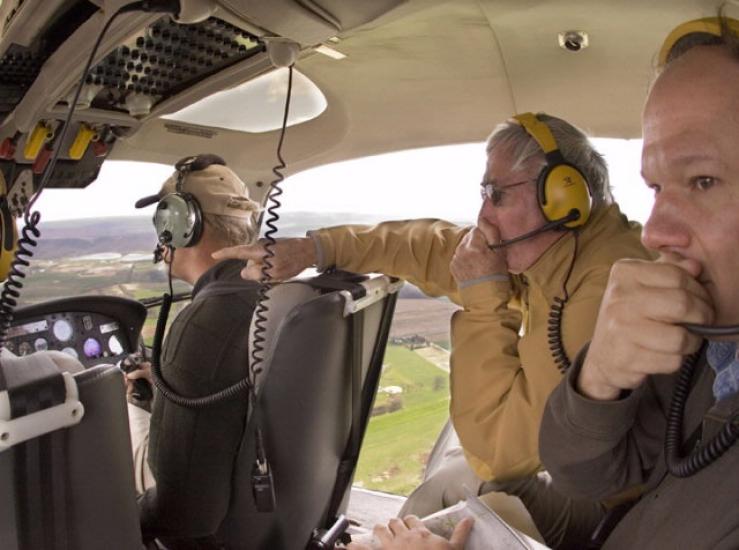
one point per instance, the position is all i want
(433, 73)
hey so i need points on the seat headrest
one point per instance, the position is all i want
(283, 298)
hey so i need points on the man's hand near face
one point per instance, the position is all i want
(637, 332)
(473, 259)
(291, 257)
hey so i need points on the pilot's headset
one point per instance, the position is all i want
(562, 187)
(178, 218)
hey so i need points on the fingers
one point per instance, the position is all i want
(660, 274)
(412, 522)
(666, 305)
(397, 526)
(638, 331)
(693, 267)
(474, 260)
(287, 258)
(136, 374)
(382, 534)
(489, 231)
(460, 533)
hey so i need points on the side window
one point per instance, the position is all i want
(94, 242)
(412, 404)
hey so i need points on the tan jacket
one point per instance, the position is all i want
(501, 369)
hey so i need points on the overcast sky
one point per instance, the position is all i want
(437, 182)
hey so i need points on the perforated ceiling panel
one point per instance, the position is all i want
(167, 58)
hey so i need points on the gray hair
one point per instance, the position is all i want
(573, 144)
(232, 230)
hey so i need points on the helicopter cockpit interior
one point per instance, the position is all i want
(83, 82)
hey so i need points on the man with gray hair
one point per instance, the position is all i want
(529, 278)
(201, 208)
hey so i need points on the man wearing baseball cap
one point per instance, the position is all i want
(201, 208)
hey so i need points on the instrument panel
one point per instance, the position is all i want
(92, 329)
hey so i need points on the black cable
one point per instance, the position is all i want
(249, 382)
(275, 191)
(704, 455)
(262, 483)
(709, 331)
(554, 323)
(30, 231)
(166, 390)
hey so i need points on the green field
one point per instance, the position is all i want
(397, 444)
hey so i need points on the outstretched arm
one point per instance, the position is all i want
(418, 251)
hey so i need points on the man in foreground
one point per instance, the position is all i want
(605, 425)
(191, 451)
(511, 341)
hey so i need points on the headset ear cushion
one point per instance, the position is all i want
(563, 188)
(180, 215)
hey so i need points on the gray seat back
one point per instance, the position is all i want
(305, 403)
(72, 487)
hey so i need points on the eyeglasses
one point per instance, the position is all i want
(494, 193)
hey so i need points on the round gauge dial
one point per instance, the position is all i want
(25, 348)
(72, 352)
(63, 330)
(92, 348)
(40, 344)
(114, 345)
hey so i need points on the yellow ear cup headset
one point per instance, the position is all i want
(709, 26)
(178, 218)
(562, 187)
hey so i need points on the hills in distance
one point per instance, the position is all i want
(135, 234)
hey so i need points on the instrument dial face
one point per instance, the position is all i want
(41, 344)
(72, 352)
(114, 345)
(24, 349)
(92, 348)
(63, 330)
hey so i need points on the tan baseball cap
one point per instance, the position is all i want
(216, 187)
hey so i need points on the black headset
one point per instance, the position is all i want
(178, 218)
(561, 186)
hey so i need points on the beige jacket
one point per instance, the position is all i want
(501, 369)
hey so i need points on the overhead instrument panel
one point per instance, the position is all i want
(163, 60)
(92, 329)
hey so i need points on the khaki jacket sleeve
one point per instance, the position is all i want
(500, 382)
(418, 251)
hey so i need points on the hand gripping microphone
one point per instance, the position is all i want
(573, 215)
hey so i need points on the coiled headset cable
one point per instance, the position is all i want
(554, 323)
(704, 455)
(262, 482)
(258, 342)
(30, 232)
(249, 382)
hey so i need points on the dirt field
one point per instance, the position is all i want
(426, 317)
